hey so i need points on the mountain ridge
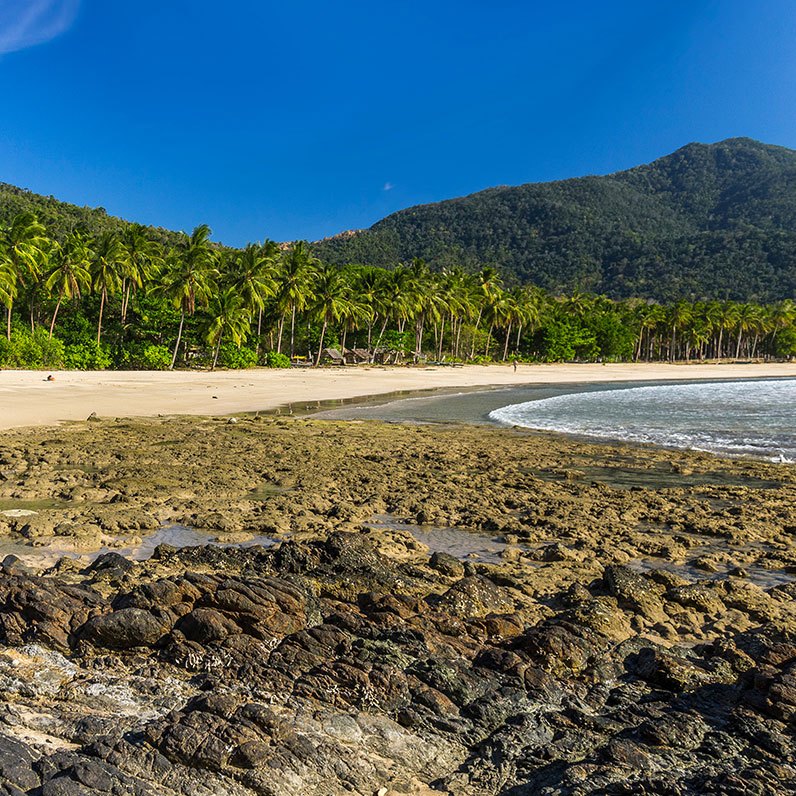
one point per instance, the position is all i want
(706, 221)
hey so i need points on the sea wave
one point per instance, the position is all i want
(742, 418)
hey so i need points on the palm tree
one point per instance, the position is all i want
(783, 315)
(494, 310)
(254, 277)
(110, 258)
(331, 302)
(747, 317)
(230, 316)
(529, 302)
(294, 291)
(143, 256)
(358, 309)
(371, 286)
(680, 317)
(22, 247)
(69, 274)
(727, 314)
(8, 288)
(398, 300)
(190, 276)
(488, 284)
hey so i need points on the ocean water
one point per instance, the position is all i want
(742, 418)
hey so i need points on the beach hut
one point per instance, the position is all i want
(332, 356)
(356, 356)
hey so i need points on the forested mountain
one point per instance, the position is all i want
(708, 221)
(61, 218)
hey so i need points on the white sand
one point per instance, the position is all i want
(28, 399)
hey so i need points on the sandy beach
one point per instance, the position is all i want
(27, 398)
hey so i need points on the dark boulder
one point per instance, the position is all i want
(124, 629)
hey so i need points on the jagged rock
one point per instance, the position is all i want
(475, 596)
(446, 564)
(124, 629)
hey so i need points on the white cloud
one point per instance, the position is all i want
(25, 23)
(388, 186)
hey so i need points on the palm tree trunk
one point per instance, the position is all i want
(475, 330)
(124, 293)
(126, 302)
(292, 331)
(281, 333)
(506, 345)
(259, 329)
(8, 321)
(55, 314)
(99, 322)
(441, 338)
(177, 344)
(218, 348)
(320, 343)
(738, 344)
(488, 339)
(378, 342)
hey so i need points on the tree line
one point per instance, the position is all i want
(122, 298)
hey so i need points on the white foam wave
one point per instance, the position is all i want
(755, 418)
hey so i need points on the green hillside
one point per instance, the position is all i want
(61, 218)
(708, 221)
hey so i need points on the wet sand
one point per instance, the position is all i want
(28, 399)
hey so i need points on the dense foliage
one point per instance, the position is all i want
(707, 222)
(120, 298)
(697, 253)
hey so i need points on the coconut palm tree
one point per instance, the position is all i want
(488, 285)
(143, 257)
(229, 316)
(190, 276)
(22, 248)
(358, 309)
(399, 300)
(331, 302)
(680, 316)
(294, 288)
(69, 273)
(254, 277)
(746, 319)
(370, 284)
(783, 316)
(107, 264)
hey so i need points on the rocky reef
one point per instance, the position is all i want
(637, 634)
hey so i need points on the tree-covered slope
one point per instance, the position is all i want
(708, 221)
(61, 218)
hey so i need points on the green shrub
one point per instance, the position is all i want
(87, 356)
(156, 357)
(232, 356)
(273, 359)
(28, 349)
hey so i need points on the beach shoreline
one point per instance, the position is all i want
(27, 398)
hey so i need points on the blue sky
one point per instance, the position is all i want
(301, 119)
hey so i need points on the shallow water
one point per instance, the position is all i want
(742, 418)
(465, 545)
(174, 535)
